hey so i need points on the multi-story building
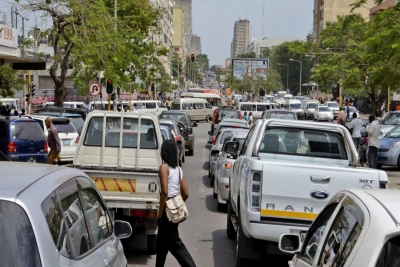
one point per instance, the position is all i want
(186, 5)
(381, 7)
(328, 11)
(196, 45)
(178, 38)
(241, 37)
(259, 46)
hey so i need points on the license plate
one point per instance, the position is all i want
(302, 236)
(31, 160)
(66, 142)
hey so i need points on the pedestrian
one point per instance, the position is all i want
(251, 121)
(245, 117)
(341, 117)
(356, 125)
(172, 184)
(373, 141)
(348, 112)
(53, 141)
(23, 111)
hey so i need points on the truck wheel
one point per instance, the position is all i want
(221, 207)
(230, 230)
(180, 162)
(152, 244)
(191, 152)
(215, 189)
(239, 236)
(208, 118)
(212, 180)
(183, 158)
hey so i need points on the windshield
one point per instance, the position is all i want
(295, 106)
(223, 136)
(64, 128)
(246, 107)
(27, 130)
(333, 105)
(395, 133)
(312, 105)
(309, 143)
(16, 229)
(130, 132)
(282, 115)
(228, 114)
(324, 109)
(12, 104)
(391, 119)
(177, 117)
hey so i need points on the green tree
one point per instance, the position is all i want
(203, 60)
(247, 55)
(10, 81)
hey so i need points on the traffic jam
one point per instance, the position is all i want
(286, 173)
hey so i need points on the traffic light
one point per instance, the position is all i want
(101, 95)
(335, 90)
(153, 87)
(33, 89)
(262, 91)
(27, 98)
(109, 87)
(192, 58)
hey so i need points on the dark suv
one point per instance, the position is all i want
(22, 139)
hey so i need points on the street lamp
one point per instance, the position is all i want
(287, 75)
(301, 68)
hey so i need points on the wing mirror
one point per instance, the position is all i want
(231, 148)
(185, 136)
(194, 124)
(122, 229)
(210, 133)
(290, 243)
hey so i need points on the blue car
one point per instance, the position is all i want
(22, 139)
(389, 151)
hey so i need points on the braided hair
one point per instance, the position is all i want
(169, 153)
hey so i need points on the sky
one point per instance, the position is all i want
(213, 21)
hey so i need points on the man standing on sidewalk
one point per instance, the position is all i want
(356, 124)
(53, 140)
(373, 141)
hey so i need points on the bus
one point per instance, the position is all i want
(12, 103)
(213, 99)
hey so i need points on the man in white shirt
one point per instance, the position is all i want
(356, 124)
(373, 141)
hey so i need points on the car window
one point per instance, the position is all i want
(164, 134)
(283, 115)
(98, 220)
(187, 106)
(41, 123)
(78, 123)
(246, 107)
(177, 117)
(246, 143)
(27, 130)
(389, 256)
(74, 219)
(303, 142)
(262, 107)
(343, 234)
(150, 105)
(223, 136)
(64, 128)
(323, 109)
(198, 105)
(54, 218)
(208, 105)
(3, 129)
(391, 119)
(176, 106)
(19, 245)
(227, 114)
(313, 238)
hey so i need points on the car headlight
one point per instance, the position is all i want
(395, 144)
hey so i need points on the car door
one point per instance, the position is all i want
(106, 248)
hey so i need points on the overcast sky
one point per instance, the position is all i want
(213, 21)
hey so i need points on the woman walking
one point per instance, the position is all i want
(172, 184)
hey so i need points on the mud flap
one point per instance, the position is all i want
(250, 248)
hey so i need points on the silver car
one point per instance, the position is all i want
(224, 165)
(55, 216)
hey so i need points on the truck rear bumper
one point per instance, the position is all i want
(269, 231)
(132, 203)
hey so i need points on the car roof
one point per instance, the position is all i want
(233, 121)
(173, 112)
(165, 121)
(280, 110)
(389, 200)
(14, 118)
(15, 178)
(56, 114)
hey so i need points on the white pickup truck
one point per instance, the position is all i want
(120, 152)
(283, 177)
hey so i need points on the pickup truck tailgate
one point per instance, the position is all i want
(138, 190)
(302, 193)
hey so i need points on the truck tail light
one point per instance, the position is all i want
(12, 147)
(240, 115)
(143, 213)
(46, 147)
(227, 165)
(213, 140)
(77, 140)
(255, 193)
(215, 116)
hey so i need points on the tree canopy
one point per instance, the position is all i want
(9, 81)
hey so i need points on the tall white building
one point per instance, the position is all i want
(241, 37)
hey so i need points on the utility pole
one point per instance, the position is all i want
(388, 100)
(340, 92)
(115, 48)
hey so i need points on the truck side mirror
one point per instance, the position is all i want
(122, 229)
(231, 148)
(290, 243)
(210, 133)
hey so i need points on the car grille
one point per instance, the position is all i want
(383, 150)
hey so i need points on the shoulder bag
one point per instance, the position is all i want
(176, 209)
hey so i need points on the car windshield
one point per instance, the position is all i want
(333, 105)
(16, 230)
(174, 116)
(312, 105)
(295, 106)
(228, 114)
(391, 119)
(223, 136)
(307, 142)
(282, 115)
(395, 133)
(27, 130)
(324, 109)
(78, 123)
(352, 109)
(170, 126)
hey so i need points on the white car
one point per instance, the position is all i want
(67, 133)
(351, 111)
(334, 107)
(67, 104)
(357, 228)
(323, 113)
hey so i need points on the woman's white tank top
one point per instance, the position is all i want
(174, 182)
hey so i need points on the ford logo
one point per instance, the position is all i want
(319, 194)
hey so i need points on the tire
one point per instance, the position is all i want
(239, 235)
(221, 207)
(180, 163)
(212, 180)
(208, 118)
(152, 244)
(379, 166)
(209, 169)
(183, 157)
(215, 190)
(230, 230)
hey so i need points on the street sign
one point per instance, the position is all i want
(95, 89)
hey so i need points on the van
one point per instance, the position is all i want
(288, 97)
(13, 104)
(154, 106)
(309, 108)
(296, 106)
(282, 103)
(256, 108)
(67, 104)
(213, 99)
(197, 109)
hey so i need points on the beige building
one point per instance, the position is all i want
(186, 5)
(328, 11)
(196, 45)
(178, 38)
(241, 37)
